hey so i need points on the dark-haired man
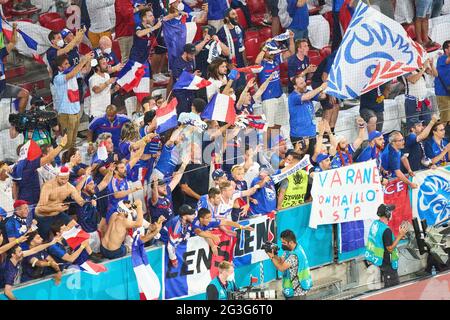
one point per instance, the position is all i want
(294, 265)
(381, 247)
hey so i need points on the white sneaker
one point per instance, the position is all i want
(163, 76)
(159, 77)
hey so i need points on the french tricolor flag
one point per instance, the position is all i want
(166, 117)
(220, 108)
(147, 280)
(131, 75)
(92, 268)
(30, 151)
(143, 88)
(189, 81)
(75, 236)
(73, 94)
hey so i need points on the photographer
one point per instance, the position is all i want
(381, 248)
(222, 285)
(36, 124)
(294, 265)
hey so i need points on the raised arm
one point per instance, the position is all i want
(140, 217)
(426, 131)
(52, 154)
(72, 44)
(361, 130)
(291, 50)
(178, 175)
(107, 179)
(263, 87)
(12, 44)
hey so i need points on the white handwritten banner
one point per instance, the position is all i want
(346, 194)
(431, 200)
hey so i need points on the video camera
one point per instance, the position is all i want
(250, 293)
(32, 120)
(270, 247)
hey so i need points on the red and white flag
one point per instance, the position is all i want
(75, 236)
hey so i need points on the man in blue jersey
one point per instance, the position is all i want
(274, 106)
(177, 230)
(298, 11)
(391, 159)
(265, 199)
(442, 86)
(120, 186)
(299, 63)
(59, 47)
(211, 201)
(111, 122)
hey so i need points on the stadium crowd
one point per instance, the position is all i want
(202, 174)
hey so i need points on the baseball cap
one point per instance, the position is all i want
(415, 123)
(385, 209)
(218, 173)
(374, 134)
(321, 157)
(3, 213)
(211, 30)
(189, 48)
(64, 32)
(186, 209)
(19, 203)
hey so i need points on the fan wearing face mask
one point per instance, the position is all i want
(381, 247)
(220, 287)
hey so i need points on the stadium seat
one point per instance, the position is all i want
(257, 19)
(252, 34)
(265, 33)
(241, 18)
(256, 6)
(325, 52)
(56, 24)
(315, 57)
(45, 18)
(284, 73)
(252, 46)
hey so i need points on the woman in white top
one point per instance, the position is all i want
(417, 105)
(217, 75)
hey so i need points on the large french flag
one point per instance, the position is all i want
(166, 117)
(92, 268)
(189, 81)
(73, 93)
(75, 236)
(142, 90)
(177, 33)
(148, 283)
(30, 151)
(220, 108)
(192, 277)
(131, 75)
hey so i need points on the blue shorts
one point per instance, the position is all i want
(122, 251)
(45, 223)
(423, 8)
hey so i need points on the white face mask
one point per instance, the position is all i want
(181, 6)
(108, 50)
(60, 43)
(233, 96)
(231, 277)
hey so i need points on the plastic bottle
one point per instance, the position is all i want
(433, 271)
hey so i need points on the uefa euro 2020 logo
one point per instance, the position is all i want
(433, 199)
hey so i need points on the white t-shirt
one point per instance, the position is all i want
(252, 173)
(225, 208)
(100, 12)
(214, 87)
(6, 198)
(99, 101)
(418, 89)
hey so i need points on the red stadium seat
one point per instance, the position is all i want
(315, 57)
(265, 33)
(325, 52)
(241, 18)
(45, 18)
(284, 73)
(252, 34)
(256, 6)
(252, 47)
(56, 24)
(257, 19)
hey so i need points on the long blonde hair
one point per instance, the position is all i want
(130, 132)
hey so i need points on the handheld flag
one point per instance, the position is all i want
(166, 117)
(220, 108)
(250, 69)
(189, 81)
(130, 76)
(73, 93)
(143, 88)
(148, 283)
(30, 151)
(102, 153)
(75, 236)
(375, 49)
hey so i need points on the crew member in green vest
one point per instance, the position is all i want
(294, 265)
(222, 285)
(293, 189)
(381, 247)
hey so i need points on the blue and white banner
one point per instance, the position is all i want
(302, 164)
(375, 50)
(431, 200)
